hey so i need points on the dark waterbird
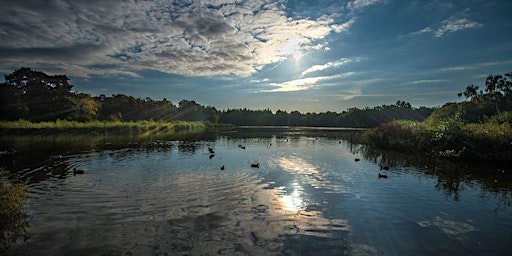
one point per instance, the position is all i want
(255, 165)
(384, 167)
(222, 168)
(357, 159)
(383, 176)
(75, 171)
(211, 150)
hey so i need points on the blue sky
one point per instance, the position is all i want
(311, 56)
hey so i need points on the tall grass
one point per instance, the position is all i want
(139, 127)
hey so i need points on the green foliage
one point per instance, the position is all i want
(353, 117)
(477, 129)
(38, 97)
(397, 135)
(13, 221)
(140, 128)
(450, 138)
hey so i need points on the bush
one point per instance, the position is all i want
(13, 220)
(447, 138)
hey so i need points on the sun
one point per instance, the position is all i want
(297, 55)
(292, 49)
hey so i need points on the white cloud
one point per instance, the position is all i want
(359, 4)
(191, 38)
(349, 96)
(476, 66)
(338, 28)
(328, 65)
(422, 31)
(296, 85)
(303, 83)
(454, 24)
(429, 81)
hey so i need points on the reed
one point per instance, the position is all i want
(137, 127)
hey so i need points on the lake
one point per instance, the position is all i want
(309, 196)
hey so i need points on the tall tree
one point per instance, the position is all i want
(39, 96)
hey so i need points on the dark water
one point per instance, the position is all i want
(308, 197)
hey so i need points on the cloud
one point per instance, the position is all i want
(191, 38)
(359, 4)
(338, 28)
(303, 83)
(454, 24)
(422, 31)
(476, 66)
(328, 65)
(296, 85)
(429, 81)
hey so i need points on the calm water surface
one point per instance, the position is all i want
(308, 197)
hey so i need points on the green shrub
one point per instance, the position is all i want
(448, 138)
(13, 220)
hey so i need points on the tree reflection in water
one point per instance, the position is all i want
(452, 177)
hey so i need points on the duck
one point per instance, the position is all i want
(211, 150)
(211, 156)
(222, 168)
(384, 167)
(357, 159)
(383, 176)
(75, 171)
(255, 165)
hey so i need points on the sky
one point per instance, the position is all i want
(310, 56)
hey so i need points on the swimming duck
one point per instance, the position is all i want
(255, 165)
(75, 171)
(383, 176)
(384, 167)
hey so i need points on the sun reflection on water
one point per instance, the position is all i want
(293, 201)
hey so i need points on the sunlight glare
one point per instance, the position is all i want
(292, 49)
(294, 201)
(297, 55)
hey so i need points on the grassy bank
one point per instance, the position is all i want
(22, 127)
(448, 138)
(13, 220)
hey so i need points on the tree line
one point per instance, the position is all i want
(352, 117)
(35, 96)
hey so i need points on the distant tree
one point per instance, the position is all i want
(38, 96)
(86, 108)
(403, 104)
(496, 97)
(470, 92)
